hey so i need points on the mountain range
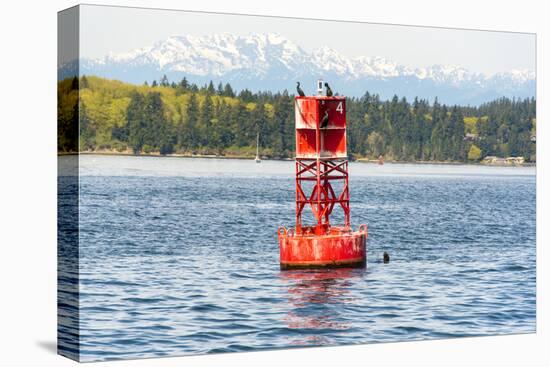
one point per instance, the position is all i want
(270, 62)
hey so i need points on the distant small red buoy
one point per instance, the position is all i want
(321, 165)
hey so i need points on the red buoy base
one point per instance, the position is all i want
(337, 248)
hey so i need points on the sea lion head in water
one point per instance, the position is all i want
(386, 257)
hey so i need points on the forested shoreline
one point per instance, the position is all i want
(182, 118)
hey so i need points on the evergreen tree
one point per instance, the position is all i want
(87, 131)
(205, 121)
(456, 138)
(84, 82)
(226, 136)
(241, 125)
(190, 136)
(184, 84)
(210, 89)
(136, 123)
(228, 91)
(259, 122)
(74, 83)
(284, 144)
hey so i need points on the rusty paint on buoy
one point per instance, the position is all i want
(339, 248)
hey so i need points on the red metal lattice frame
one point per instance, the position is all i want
(321, 171)
(322, 198)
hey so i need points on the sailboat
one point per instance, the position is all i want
(258, 160)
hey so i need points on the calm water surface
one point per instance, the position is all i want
(180, 256)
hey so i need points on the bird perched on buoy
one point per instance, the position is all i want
(386, 257)
(324, 120)
(299, 90)
(329, 91)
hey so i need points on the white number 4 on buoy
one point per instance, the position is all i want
(340, 108)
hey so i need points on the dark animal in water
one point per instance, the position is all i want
(324, 120)
(329, 91)
(299, 90)
(386, 257)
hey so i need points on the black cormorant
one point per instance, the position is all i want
(386, 257)
(324, 120)
(329, 91)
(300, 91)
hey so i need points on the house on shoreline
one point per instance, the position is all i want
(498, 161)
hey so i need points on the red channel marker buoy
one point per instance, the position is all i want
(321, 166)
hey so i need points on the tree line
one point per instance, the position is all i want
(167, 117)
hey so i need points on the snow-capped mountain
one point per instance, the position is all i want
(272, 62)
